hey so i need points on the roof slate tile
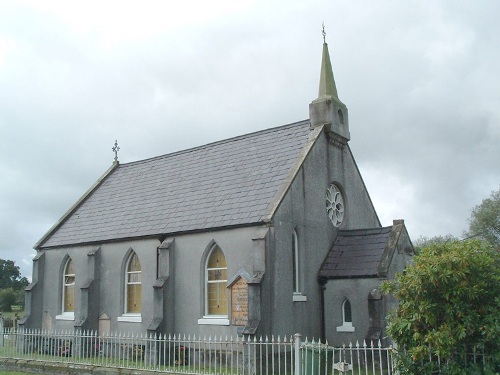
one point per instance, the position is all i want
(356, 253)
(230, 182)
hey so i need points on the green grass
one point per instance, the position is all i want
(13, 313)
(114, 362)
(5, 372)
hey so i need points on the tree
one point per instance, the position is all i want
(484, 221)
(449, 302)
(10, 276)
(11, 285)
(7, 299)
(422, 241)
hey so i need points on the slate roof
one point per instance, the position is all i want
(227, 183)
(356, 253)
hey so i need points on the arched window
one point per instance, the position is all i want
(295, 260)
(346, 317)
(341, 116)
(133, 285)
(346, 313)
(216, 280)
(296, 270)
(68, 305)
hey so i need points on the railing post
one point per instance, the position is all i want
(1, 331)
(297, 337)
(76, 345)
(151, 350)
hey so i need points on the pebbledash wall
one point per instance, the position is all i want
(302, 211)
(183, 287)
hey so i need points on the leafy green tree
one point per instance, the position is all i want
(449, 303)
(484, 221)
(7, 299)
(10, 276)
(20, 295)
(422, 241)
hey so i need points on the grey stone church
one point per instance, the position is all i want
(271, 232)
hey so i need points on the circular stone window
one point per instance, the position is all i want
(335, 205)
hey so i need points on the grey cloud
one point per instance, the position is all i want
(419, 78)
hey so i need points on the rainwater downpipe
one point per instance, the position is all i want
(322, 287)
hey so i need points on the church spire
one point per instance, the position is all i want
(326, 81)
(327, 109)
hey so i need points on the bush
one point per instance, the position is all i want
(449, 304)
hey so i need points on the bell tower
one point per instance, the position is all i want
(327, 109)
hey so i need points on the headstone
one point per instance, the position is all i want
(47, 322)
(104, 325)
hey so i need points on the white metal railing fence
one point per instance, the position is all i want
(217, 355)
(197, 355)
(168, 353)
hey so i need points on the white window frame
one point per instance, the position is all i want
(67, 315)
(346, 325)
(128, 316)
(211, 319)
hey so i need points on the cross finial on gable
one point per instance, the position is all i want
(115, 149)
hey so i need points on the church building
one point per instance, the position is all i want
(268, 233)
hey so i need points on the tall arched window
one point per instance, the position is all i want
(216, 280)
(68, 306)
(133, 285)
(298, 296)
(295, 260)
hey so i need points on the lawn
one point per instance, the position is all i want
(16, 310)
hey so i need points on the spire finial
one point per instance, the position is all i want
(324, 33)
(115, 149)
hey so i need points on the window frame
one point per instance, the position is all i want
(345, 314)
(336, 204)
(208, 318)
(67, 314)
(346, 325)
(131, 316)
(296, 270)
(296, 263)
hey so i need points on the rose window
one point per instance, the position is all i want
(335, 205)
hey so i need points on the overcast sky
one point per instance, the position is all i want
(420, 79)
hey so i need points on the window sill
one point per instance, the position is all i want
(299, 297)
(347, 327)
(66, 316)
(130, 318)
(216, 320)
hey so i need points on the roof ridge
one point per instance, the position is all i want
(353, 232)
(222, 141)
